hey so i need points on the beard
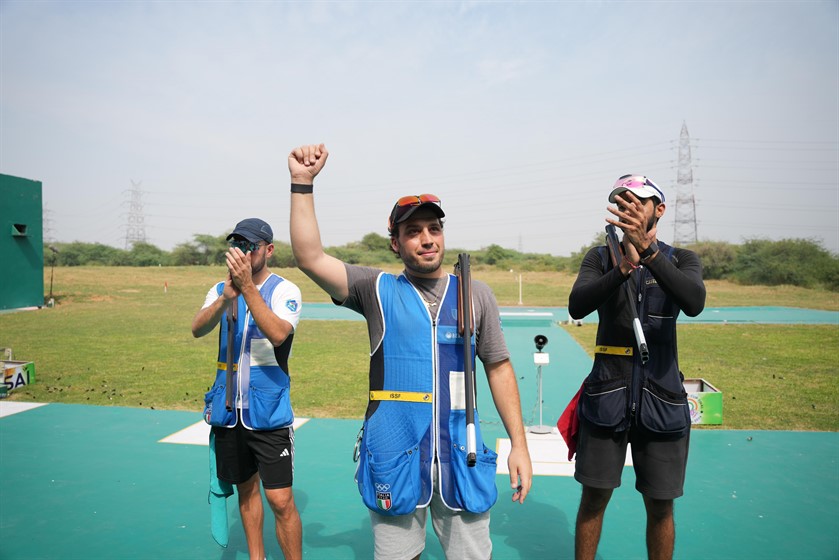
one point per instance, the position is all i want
(651, 223)
(414, 264)
(256, 267)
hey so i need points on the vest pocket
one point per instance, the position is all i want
(215, 413)
(475, 488)
(663, 412)
(603, 402)
(269, 409)
(391, 486)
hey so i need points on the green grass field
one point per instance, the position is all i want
(117, 337)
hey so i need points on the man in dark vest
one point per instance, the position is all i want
(626, 399)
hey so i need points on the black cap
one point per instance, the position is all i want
(406, 206)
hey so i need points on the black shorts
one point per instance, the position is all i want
(659, 463)
(241, 452)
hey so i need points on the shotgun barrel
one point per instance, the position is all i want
(615, 256)
(231, 338)
(465, 330)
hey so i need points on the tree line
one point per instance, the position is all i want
(797, 262)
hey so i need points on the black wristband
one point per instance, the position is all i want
(305, 189)
(649, 251)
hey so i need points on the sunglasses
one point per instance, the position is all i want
(244, 245)
(638, 182)
(406, 203)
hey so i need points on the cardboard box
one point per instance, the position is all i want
(705, 402)
(16, 374)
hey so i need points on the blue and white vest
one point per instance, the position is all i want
(269, 406)
(403, 439)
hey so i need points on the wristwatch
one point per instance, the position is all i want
(649, 251)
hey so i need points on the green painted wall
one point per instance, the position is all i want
(21, 243)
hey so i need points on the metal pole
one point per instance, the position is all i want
(539, 373)
(52, 274)
(541, 428)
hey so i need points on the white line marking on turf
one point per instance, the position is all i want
(199, 433)
(548, 454)
(8, 408)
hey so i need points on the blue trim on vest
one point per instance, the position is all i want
(402, 439)
(268, 389)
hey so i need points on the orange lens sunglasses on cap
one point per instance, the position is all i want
(407, 204)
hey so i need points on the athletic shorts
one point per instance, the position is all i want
(241, 452)
(462, 534)
(659, 463)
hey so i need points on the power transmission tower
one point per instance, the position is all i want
(135, 231)
(685, 211)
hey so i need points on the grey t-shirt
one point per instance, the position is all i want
(491, 346)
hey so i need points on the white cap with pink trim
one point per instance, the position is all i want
(638, 185)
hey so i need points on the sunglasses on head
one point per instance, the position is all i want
(638, 181)
(404, 204)
(244, 245)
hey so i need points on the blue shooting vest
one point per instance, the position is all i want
(269, 406)
(404, 440)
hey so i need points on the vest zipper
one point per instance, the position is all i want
(434, 390)
(435, 465)
(435, 443)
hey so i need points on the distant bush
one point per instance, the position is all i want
(797, 262)
(82, 254)
(376, 243)
(187, 254)
(495, 254)
(509, 259)
(718, 258)
(282, 257)
(573, 263)
(145, 254)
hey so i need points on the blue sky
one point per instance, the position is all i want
(520, 116)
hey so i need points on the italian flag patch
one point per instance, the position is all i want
(383, 500)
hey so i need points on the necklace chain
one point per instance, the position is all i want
(430, 303)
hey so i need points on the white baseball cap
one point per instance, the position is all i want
(638, 185)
